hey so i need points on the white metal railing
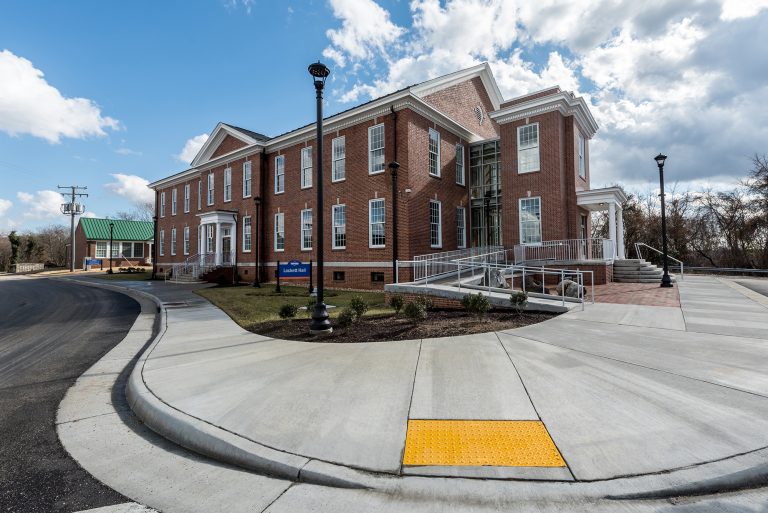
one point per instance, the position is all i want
(566, 250)
(197, 265)
(436, 264)
(640, 255)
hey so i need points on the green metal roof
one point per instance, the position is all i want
(98, 229)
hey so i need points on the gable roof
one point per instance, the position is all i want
(98, 229)
(217, 136)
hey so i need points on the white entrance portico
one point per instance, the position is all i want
(217, 237)
(610, 199)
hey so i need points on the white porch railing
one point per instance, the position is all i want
(436, 264)
(566, 250)
(197, 265)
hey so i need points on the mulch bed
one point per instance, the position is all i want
(380, 328)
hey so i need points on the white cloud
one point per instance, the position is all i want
(127, 151)
(736, 9)
(131, 187)
(41, 204)
(29, 105)
(5, 206)
(191, 147)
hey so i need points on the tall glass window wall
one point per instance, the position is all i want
(485, 184)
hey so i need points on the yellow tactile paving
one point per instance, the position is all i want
(503, 443)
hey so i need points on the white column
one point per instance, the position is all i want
(217, 249)
(620, 251)
(234, 242)
(612, 226)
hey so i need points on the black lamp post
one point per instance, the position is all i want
(111, 251)
(153, 256)
(393, 167)
(665, 279)
(257, 201)
(320, 324)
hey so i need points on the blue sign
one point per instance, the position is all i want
(294, 269)
(92, 261)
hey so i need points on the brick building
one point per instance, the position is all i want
(474, 170)
(131, 242)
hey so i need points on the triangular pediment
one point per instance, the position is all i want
(223, 140)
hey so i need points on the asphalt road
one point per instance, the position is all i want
(50, 333)
(759, 286)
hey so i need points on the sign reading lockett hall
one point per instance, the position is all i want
(294, 269)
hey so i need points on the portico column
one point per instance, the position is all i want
(217, 249)
(612, 226)
(233, 245)
(620, 233)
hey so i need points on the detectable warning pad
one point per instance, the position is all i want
(503, 443)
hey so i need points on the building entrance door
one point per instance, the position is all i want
(226, 245)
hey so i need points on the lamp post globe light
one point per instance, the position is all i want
(666, 281)
(320, 324)
(257, 202)
(111, 251)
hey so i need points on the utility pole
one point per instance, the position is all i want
(72, 209)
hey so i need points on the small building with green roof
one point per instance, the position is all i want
(132, 242)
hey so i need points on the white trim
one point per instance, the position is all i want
(520, 219)
(185, 243)
(161, 246)
(162, 204)
(275, 231)
(481, 70)
(383, 223)
(248, 167)
(227, 184)
(174, 201)
(581, 153)
(303, 168)
(520, 171)
(439, 224)
(333, 226)
(437, 172)
(200, 194)
(311, 230)
(281, 158)
(210, 189)
(461, 161)
(173, 241)
(218, 135)
(461, 243)
(563, 102)
(249, 233)
(187, 197)
(382, 148)
(343, 159)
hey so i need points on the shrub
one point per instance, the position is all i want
(397, 302)
(346, 318)
(424, 301)
(358, 306)
(415, 311)
(287, 311)
(519, 300)
(476, 304)
(311, 306)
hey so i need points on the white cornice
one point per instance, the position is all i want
(217, 136)
(563, 102)
(218, 161)
(595, 198)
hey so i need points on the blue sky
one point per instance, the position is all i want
(107, 94)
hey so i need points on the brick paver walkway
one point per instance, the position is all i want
(649, 294)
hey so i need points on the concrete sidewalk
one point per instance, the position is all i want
(638, 399)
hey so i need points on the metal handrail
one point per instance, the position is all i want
(566, 250)
(640, 256)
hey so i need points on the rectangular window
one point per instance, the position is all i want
(101, 250)
(434, 152)
(209, 238)
(306, 167)
(210, 188)
(338, 276)
(173, 202)
(280, 232)
(115, 249)
(173, 241)
(186, 198)
(161, 246)
(306, 229)
(199, 194)
(339, 222)
(186, 240)
(460, 164)
(339, 158)
(228, 184)
(582, 166)
(138, 250)
(162, 204)
(376, 149)
(377, 277)
(528, 148)
(126, 250)
(247, 234)
(461, 228)
(376, 218)
(279, 174)
(247, 179)
(530, 220)
(435, 224)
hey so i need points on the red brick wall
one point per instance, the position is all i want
(459, 102)
(229, 144)
(437, 302)
(529, 97)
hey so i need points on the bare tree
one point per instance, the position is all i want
(53, 241)
(143, 211)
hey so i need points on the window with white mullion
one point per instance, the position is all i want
(199, 194)
(461, 228)
(528, 148)
(138, 250)
(339, 223)
(530, 220)
(306, 229)
(435, 224)
(306, 167)
(376, 223)
(247, 179)
(101, 250)
(460, 164)
(434, 152)
(376, 149)
(279, 174)
(582, 164)
(209, 238)
(173, 202)
(246, 234)
(228, 184)
(186, 198)
(210, 189)
(280, 231)
(173, 241)
(162, 204)
(339, 154)
(161, 246)
(186, 240)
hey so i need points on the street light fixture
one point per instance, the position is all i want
(320, 324)
(111, 250)
(257, 233)
(666, 281)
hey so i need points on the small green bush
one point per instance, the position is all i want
(397, 302)
(358, 306)
(311, 306)
(476, 304)
(424, 301)
(519, 301)
(415, 311)
(287, 311)
(346, 318)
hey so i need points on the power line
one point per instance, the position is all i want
(72, 209)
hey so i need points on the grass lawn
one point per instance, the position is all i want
(122, 276)
(248, 306)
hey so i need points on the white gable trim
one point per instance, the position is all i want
(563, 102)
(217, 136)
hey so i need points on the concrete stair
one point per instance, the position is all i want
(635, 270)
(185, 278)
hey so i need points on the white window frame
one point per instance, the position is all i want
(335, 225)
(528, 147)
(227, 185)
(162, 204)
(439, 224)
(339, 159)
(211, 189)
(101, 249)
(461, 227)
(200, 194)
(247, 177)
(306, 167)
(371, 149)
(279, 174)
(460, 173)
(139, 245)
(304, 231)
(161, 246)
(186, 198)
(520, 219)
(173, 201)
(279, 230)
(173, 241)
(247, 236)
(434, 137)
(383, 222)
(185, 248)
(582, 161)
(209, 238)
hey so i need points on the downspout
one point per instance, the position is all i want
(393, 166)
(234, 251)
(261, 218)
